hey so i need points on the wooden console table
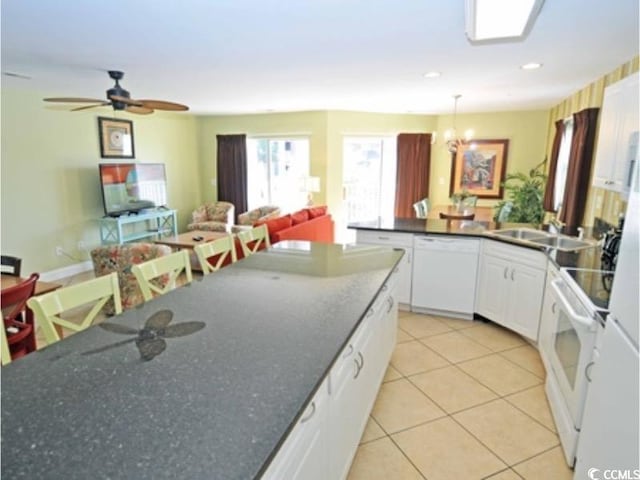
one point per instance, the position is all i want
(156, 223)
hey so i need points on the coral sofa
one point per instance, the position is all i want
(313, 224)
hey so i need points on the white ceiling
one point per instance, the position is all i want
(246, 56)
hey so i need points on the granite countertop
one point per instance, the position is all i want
(588, 258)
(246, 349)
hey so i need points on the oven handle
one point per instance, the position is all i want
(590, 323)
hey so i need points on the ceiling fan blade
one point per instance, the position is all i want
(162, 105)
(74, 100)
(139, 110)
(101, 104)
(125, 100)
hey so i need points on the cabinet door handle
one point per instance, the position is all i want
(348, 352)
(504, 274)
(391, 302)
(308, 417)
(359, 365)
(512, 272)
(383, 238)
(587, 371)
(384, 288)
(408, 257)
(553, 307)
(370, 312)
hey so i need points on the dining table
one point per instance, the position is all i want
(41, 286)
(482, 214)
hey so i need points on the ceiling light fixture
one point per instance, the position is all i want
(450, 136)
(432, 74)
(531, 66)
(500, 20)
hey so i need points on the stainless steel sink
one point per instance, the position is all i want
(532, 237)
(520, 233)
(562, 243)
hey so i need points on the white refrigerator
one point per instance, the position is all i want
(609, 437)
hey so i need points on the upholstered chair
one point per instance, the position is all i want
(248, 219)
(213, 217)
(120, 258)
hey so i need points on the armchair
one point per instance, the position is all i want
(248, 219)
(213, 217)
(120, 258)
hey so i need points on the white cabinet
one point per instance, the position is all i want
(616, 150)
(395, 240)
(303, 456)
(356, 377)
(444, 275)
(511, 286)
(324, 441)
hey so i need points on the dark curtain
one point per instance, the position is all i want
(412, 174)
(232, 171)
(549, 191)
(579, 168)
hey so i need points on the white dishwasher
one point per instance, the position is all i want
(444, 275)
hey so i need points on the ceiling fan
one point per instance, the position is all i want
(120, 99)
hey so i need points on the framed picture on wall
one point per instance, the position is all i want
(479, 167)
(116, 138)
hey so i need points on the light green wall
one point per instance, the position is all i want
(526, 131)
(50, 190)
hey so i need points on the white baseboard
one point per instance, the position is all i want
(65, 272)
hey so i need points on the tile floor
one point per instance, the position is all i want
(460, 400)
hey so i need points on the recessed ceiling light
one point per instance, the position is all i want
(432, 74)
(531, 66)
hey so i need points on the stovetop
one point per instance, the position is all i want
(595, 284)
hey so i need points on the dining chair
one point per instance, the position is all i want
(11, 265)
(469, 202)
(461, 216)
(212, 255)
(421, 208)
(252, 240)
(18, 332)
(167, 269)
(48, 307)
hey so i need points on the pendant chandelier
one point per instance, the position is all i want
(452, 141)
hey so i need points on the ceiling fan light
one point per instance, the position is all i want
(500, 20)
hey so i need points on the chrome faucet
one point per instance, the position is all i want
(557, 224)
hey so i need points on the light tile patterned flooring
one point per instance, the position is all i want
(460, 400)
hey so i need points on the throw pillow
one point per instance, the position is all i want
(317, 211)
(300, 216)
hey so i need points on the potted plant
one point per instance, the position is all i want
(525, 194)
(458, 198)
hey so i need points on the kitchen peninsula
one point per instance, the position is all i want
(223, 400)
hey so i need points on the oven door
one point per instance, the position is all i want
(571, 350)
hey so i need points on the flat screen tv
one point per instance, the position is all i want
(131, 187)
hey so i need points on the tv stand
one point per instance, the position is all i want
(152, 224)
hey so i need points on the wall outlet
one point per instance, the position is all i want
(82, 246)
(59, 251)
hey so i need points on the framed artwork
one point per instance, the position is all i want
(116, 138)
(478, 167)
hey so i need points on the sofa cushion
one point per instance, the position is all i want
(300, 216)
(317, 211)
(276, 224)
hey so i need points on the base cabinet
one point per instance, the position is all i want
(304, 453)
(395, 240)
(324, 441)
(511, 286)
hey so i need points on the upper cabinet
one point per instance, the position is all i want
(617, 149)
